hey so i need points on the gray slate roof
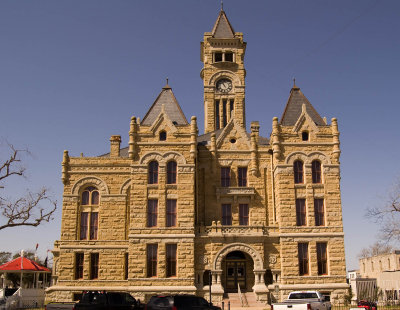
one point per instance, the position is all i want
(293, 109)
(222, 27)
(171, 108)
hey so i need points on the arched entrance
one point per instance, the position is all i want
(237, 270)
(254, 271)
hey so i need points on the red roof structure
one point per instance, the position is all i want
(21, 264)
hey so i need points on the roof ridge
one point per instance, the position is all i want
(222, 28)
(293, 109)
(171, 108)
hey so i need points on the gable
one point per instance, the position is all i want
(233, 137)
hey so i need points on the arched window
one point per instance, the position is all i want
(316, 171)
(153, 172)
(171, 172)
(89, 219)
(163, 135)
(298, 172)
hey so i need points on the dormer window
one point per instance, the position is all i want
(229, 56)
(223, 57)
(217, 57)
(304, 136)
(163, 135)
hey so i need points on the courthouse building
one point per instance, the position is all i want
(174, 207)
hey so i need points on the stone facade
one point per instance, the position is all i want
(240, 226)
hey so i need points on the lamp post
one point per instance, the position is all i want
(277, 292)
(210, 281)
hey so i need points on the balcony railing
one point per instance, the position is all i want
(235, 192)
(234, 230)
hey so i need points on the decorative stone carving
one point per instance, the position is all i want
(258, 262)
(87, 181)
(272, 259)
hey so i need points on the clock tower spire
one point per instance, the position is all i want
(222, 53)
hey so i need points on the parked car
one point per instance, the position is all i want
(179, 302)
(100, 300)
(307, 300)
(368, 305)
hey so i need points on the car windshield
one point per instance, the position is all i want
(304, 295)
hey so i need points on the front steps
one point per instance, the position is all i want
(235, 303)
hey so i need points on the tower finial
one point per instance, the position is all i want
(294, 82)
(167, 80)
(222, 5)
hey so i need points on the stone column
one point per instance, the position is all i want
(216, 282)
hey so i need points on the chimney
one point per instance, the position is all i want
(115, 144)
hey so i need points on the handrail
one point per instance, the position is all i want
(242, 298)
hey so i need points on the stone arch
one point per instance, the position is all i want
(307, 158)
(151, 156)
(179, 158)
(257, 259)
(319, 156)
(95, 181)
(292, 157)
(125, 186)
(225, 73)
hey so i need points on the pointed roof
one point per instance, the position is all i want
(293, 109)
(167, 101)
(23, 264)
(222, 27)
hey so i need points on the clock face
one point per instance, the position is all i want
(224, 85)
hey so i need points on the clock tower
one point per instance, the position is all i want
(222, 53)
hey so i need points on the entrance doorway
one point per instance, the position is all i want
(235, 271)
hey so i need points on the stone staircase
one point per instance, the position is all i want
(235, 303)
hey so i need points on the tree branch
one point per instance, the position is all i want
(27, 211)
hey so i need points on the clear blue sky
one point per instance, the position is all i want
(72, 73)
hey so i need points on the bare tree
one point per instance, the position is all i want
(388, 215)
(27, 210)
(375, 249)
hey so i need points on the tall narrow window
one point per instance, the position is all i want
(231, 106)
(152, 260)
(243, 214)
(322, 258)
(316, 171)
(303, 258)
(90, 196)
(301, 212)
(153, 172)
(94, 265)
(78, 265)
(217, 120)
(162, 135)
(226, 214)
(171, 260)
(152, 206)
(89, 220)
(171, 172)
(319, 212)
(84, 225)
(126, 266)
(171, 212)
(224, 115)
(242, 176)
(298, 172)
(94, 223)
(225, 176)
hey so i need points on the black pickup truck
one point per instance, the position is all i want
(100, 300)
